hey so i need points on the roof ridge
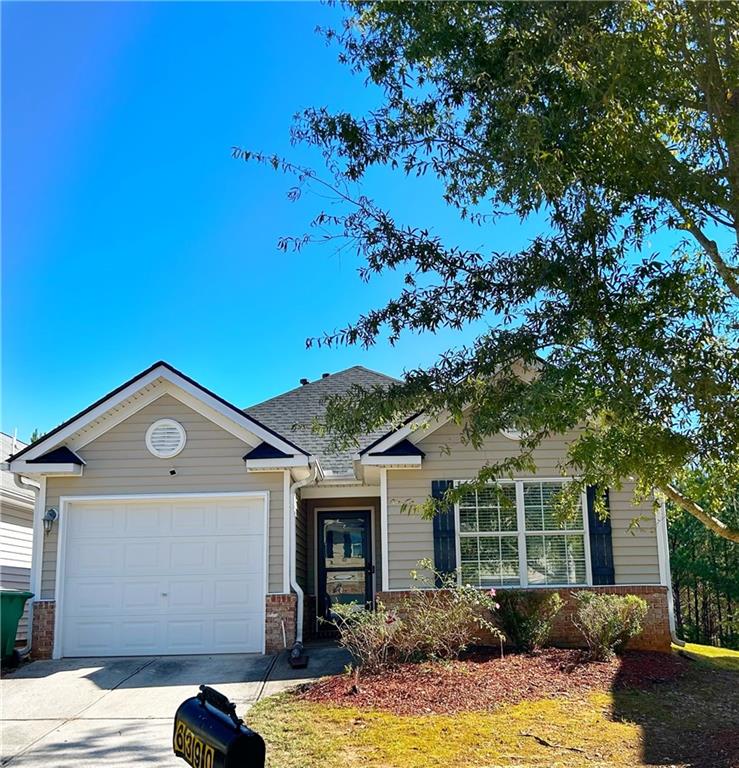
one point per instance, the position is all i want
(302, 387)
(377, 373)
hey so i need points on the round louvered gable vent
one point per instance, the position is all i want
(165, 438)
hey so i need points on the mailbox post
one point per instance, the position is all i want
(209, 734)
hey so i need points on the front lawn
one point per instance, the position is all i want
(690, 718)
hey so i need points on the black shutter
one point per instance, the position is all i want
(601, 547)
(445, 545)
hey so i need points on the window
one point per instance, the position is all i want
(488, 532)
(509, 536)
(555, 554)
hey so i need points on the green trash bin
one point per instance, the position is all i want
(12, 603)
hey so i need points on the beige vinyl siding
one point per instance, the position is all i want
(410, 538)
(16, 546)
(118, 462)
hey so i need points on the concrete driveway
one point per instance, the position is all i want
(120, 711)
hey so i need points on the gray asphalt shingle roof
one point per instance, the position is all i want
(292, 413)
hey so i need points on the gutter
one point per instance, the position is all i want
(26, 484)
(297, 649)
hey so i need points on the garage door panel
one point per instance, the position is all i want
(230, 634)
(93, 522)
(138, 636)
(147, 520)
(141, 557)
(191, 594)
(164, 577)
(242, 554)
(237, 594)
(233, 519)
(95, 558)
(188, 635)
(89, 637)
(141, 595)
(189, 520)
(194, 555)
(90, 597)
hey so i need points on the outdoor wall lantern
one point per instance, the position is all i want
(49, 518)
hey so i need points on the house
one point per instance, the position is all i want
(16, 530)
(181, 523)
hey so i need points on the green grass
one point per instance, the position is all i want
(676, 724)
(720, 658)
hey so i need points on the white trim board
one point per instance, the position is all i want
(65, 501)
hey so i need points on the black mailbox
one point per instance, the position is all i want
(209, 734)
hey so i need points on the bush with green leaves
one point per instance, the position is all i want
(526, 616)
(429, 623)
(608, 622)
(369, 636)
(442, 618)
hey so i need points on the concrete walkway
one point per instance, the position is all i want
(120, 711)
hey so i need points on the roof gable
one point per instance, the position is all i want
(60, 455)
(156, 380)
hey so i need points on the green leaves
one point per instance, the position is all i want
(619, 121)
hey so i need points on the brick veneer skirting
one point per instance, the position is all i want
(42, 636)
(280, 610)
(654, 637)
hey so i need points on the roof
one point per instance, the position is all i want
(293, 412)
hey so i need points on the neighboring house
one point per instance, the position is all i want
(16, 531)
(189, 525)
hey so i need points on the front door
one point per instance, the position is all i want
(344, 560)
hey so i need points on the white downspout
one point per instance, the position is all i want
(293, 510)
(26, 484)
(665, 573)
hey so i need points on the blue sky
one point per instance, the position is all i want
(130, 235)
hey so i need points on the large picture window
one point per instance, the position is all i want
(510, 536)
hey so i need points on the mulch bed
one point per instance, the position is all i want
(482, 682)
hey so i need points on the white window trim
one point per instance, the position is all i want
(521, 533)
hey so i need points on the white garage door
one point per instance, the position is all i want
(163, 577)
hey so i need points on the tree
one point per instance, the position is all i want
(36, 435)
(705, 577)
(618, 121)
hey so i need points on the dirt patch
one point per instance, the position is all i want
(482, 682)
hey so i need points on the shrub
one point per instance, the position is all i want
(367, 635)
(607, 622)
(526, 617)
(441, 623)
(429, 624)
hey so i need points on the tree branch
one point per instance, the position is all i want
(711, 522)
(729, 274)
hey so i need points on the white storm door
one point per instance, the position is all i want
(163, 577)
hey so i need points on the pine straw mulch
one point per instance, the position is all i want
(481, 682)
